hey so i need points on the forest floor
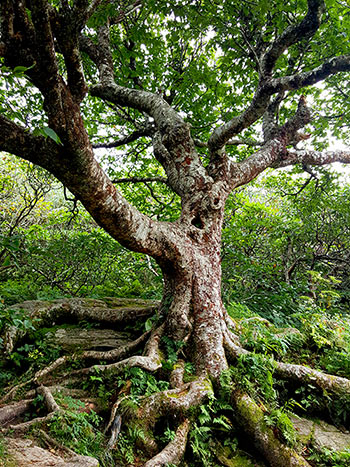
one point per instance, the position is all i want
(67, 386)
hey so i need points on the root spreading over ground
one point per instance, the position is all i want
(149, 403)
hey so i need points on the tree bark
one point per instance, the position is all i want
(192, 303)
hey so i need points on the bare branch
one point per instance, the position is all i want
(330, 67)
(231, 142)
(274, 150)
(310, 157)
(141, 180)
(146, 131)
(261, 99)
(245, 171)
(98, 194)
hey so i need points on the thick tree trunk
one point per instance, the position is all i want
(192, 298)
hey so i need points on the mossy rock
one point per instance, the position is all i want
(73, 339)
(322, 435)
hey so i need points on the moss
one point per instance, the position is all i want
(249, 410)
(230, 456)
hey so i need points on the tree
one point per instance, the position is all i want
(191, 79)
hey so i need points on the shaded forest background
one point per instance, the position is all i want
(285, 243)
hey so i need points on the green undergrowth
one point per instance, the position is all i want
(318, 338)
(328, 458)
(6, 460)
(78, 431)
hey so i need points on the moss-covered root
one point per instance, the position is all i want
(251, 417)
(174, 451)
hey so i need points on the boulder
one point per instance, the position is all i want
(73, 339)
(25, 453)
(321, 434)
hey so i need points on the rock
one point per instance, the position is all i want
(115, 302)
(84, 339)
(321, 434)
(25, 453)
(111, 311)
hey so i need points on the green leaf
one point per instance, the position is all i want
(148, 324)
(20, 69)
(52, 134)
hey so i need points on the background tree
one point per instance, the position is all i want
(189, 85)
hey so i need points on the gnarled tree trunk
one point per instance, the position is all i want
(192, 303)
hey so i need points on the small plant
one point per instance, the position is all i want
(254, 374)
(211, 419)
(6, 459)
(279, 419)
(326, 458)
(336, 362)
(126, 448)
(78, 431)
(17, 318)
(141, 383)
(172, 348)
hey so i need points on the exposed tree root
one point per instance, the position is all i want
(335, 384)
(174, 405)
(115, 430)
(51, 405)
(322, 380)
(251, 418)
(177, 375)
(9, 412)
(12, 393)
(52, 442)
(174, 451)
(40, 375)
(115, 354)
(50, 402)
(152, 361)
(122, 311)
(176, 402)
(23, 427)
(110, 355)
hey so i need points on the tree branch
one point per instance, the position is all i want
(95, 190)
(330, 67)
(141, 180)
(146, 131)
(310, 157)
(293, 34)
(232, 142)
(262, 96)
(274, 150)
(83, 10)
